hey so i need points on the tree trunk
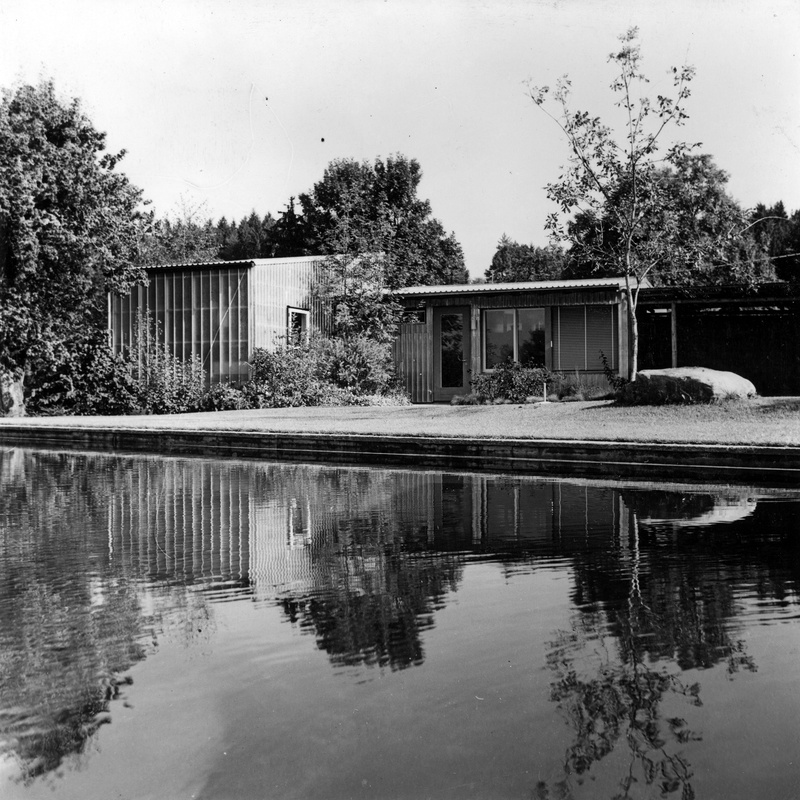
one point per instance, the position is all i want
(633, 332)
(12, 396)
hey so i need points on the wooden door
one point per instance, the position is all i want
(451, 352)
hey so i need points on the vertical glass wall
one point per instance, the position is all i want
(514, 334)
(197, 313)
(452, 350)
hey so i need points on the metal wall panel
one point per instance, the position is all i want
(277, 285)
(413, 362)
(196, 312)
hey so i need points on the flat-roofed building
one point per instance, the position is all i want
(220, 311)
(458, 331)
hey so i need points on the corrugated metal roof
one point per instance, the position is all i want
(521, 286)
(250, 262)
(203, 264)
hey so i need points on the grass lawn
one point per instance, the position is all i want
(771, 420)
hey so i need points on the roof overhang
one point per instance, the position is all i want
(615, 284)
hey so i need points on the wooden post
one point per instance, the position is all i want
(674, 333)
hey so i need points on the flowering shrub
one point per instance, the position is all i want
(510, 382)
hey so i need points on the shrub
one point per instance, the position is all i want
(358, 363)
(167, 385)
(512, 382)
(615, 381)
(108, 386)
(323, 371)
(287, 376)
(224, 397)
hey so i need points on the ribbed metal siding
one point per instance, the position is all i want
(412, 361)
(277, 286)
(201, 313)
(182, 519)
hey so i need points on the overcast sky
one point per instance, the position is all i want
(241, 104)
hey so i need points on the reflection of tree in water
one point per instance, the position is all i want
(377, 618)
(377, 586)
(67, 632)
(657, 610)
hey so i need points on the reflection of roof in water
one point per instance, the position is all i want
(726, 509)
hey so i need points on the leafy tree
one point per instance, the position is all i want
(380, 204)
(251, 238)
(696, 210)
(70, 231)
(352, 286)
(187, 235)
(289, 233)
(779, 234)
(525, 262)
(631, 210)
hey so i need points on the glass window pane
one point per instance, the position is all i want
(499, 324)
(530, 336)
(452, 350)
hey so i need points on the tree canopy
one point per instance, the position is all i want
(629, 207)
(70, 229)
(702, 230)
(376, 202)
(514, 262)
(379, 203)
(778, 232)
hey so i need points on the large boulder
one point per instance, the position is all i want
(12, 402)
(686, 385)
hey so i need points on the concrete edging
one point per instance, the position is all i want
(709, 462)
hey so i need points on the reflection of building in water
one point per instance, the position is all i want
(497, 512)
(181, 519)
(281, 528)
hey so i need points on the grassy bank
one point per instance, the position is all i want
(761, 421)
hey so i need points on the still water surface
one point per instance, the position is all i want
(184, 628)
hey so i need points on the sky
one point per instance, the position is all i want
(236, 105)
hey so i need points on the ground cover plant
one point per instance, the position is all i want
(512, 383)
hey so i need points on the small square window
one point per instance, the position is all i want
(297, 327)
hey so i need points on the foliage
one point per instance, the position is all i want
(322, 371)
(380, 206)
(164, 383)
(630, 210)
(573, 388)
(224, 397)
(511, 382)
(525, 262)
(284, 377)
(351, 286)
(352, 283)
(187, 235)
(615, 380)
(702, 230)
(779, 234)
(360, 364)
(70, 229)
(252, 237)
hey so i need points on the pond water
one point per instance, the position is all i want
(188, 628)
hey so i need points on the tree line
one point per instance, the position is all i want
(376, 201)
(769, 250)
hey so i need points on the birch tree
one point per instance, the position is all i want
(617, 180)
